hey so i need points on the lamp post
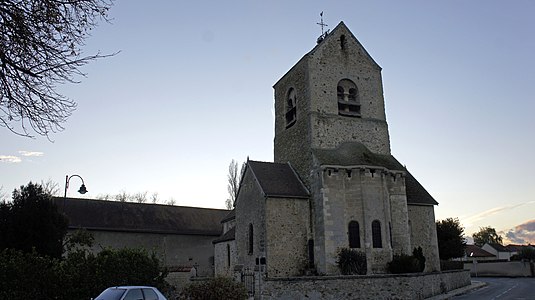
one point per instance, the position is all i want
(82, 189)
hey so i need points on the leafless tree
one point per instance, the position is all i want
(140, 197)
(40, 48)
(3, 194)
(51, 187)
(233, 183)
(154, 197)
(122, 196)
(105, 197)
(171, 201)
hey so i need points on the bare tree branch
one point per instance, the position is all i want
(233, 183)
(51, 187)
(40, 48)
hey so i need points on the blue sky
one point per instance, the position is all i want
(192, 89)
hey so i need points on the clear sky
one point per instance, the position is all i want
(192, 89)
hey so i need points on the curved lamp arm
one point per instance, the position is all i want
(82, 189)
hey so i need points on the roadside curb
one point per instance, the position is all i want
(473, 286)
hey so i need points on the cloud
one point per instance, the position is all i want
(10, 159)
(469, 221)
(522, 234)
(31, 153)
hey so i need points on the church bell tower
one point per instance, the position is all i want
(334, 94)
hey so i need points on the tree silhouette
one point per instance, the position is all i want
(450, 235)
(486, 235)
(32, 222)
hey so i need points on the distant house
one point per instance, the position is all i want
(473, 252)
(517, 249)
(497, 250)
(181, 236)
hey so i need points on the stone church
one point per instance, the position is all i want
(334, 183)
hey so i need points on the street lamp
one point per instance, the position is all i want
(82, 189)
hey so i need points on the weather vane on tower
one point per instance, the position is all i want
(323, 34)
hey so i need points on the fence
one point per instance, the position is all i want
(248, 279)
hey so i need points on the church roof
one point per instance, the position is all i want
(278, 179)
(139, 217)
(230, 216)
(356, 154)
(230, 235)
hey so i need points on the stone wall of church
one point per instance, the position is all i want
(339, 57)
(400, 232)
(250, 207)
(287, 233)
(331, 130)
(225, 258)
(173, 250)
(424, 234)
(362, 195)
(292, 143)
(402, 286)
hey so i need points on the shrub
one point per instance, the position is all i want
(214, 288)
(419, 255)
(446, 265)
(80, 275)
(527, 253)
(351, 262)
(403, 263)
(27, 275)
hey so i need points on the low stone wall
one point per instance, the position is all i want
(501, 269)
(404, 286)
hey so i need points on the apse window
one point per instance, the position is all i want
(348, 98)
(291, 108)
(354, 234)
(376, 234)
(251, 239)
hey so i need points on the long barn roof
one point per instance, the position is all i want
(140, 217)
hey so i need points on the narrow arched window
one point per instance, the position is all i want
(353, 234)
(251, 240)
(376, 234)
(291, 108)
(343, 42)
(228, 255)
(348, 98)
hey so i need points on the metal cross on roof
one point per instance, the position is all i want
(322, 24)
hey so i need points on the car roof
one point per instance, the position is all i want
(131, 287)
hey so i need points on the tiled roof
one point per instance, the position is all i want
(356, 154)
(278, 179)
(475, 251)
(498, 247)
(140, 217)
(227, 236)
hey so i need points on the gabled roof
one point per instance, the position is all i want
(329, 39)
(278, 180)
(331, 35)
(230, 235)
(475, 251)
(498, 247)
(356, 154)
(139, 217)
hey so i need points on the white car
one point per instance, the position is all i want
(131, 293)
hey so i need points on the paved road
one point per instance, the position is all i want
(502, 288)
